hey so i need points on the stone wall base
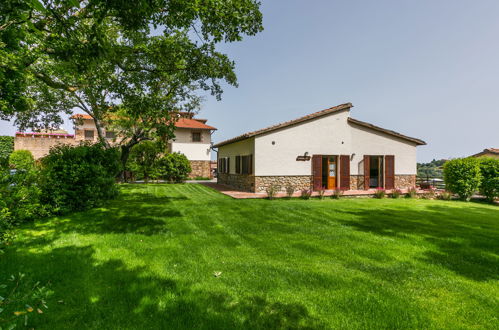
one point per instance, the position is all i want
(261, 183)
(200, 168)
(299, 182)
(243, 182)
(402, 181)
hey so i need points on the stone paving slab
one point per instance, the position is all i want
(237, 194)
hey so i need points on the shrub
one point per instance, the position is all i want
(306, 193)
(6, 148)
(173, 167)
(21, 160)
(81, 177)
(337, 193)
(396, 193)
(290, 190)
(21, 300)
(489, 187)
(272, 191)
(412, 193)
(202, 178)
(379, 193)
(143, 159)
(445, 195)
(462, 176)
(321, 192)
(429, 194)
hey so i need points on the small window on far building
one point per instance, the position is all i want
(196, 136)
(110, 135)
(89, 134)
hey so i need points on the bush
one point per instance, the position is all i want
(321, 191)
(489, 187)
(21, 160)
(462, 176)
(429, 193)
(306, 193)
(272, 191)
(379, 193)
(412, 193)
(445, 195)
(81, 177)
(143, 159)
(337, 193)
(6, 148)
(396, 193)
(290, 190)
(174, 167)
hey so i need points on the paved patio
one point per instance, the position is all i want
(238, 194)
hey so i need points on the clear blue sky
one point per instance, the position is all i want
(426, 68)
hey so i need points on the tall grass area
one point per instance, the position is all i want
(185, 256)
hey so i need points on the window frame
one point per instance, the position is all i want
(197, 133)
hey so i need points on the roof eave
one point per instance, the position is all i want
(386, 131)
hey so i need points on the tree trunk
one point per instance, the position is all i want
(100, 133)
(125, 153)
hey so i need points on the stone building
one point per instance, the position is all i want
(324, 150)
(192, 138)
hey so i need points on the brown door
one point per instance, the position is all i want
(332, 170)
(317, 172)
(345, 172)
(389, 172)
(366, 172)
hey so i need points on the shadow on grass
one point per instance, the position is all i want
(465, 239)
(89, 293)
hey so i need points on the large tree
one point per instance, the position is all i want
(128, 64)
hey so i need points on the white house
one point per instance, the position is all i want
(192, 138)
(326, 149)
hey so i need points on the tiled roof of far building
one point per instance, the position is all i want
(192, 123)
(494, 151)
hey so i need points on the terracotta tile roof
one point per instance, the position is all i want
(494, 151)
(386, 131)
(311, 116)
(81, 116)
(192, 123)
(181, 122)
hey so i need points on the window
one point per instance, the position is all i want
(110, 135)
(89, 134)
(238, 164)
(247, 164)
(224, 165)
(196, 136)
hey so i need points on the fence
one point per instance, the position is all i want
(427, 182)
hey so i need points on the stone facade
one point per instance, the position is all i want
(300, 182)
(356, 182)
(200, 168)
(39, 145)
(243, 182)
(405, 181)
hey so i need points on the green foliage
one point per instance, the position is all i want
(379, 193)
(20, 301)
(337, 193)
(143, 159)
(290, 190)
(462, 176)
(272, 191)
(489, 169)
(432, 169)
(127, 63)
(6, 148)
(306, 194)
(173, 167)
(81, 177)
(396, 193)
(21, 160)
(412, 193)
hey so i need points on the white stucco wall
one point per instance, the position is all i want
(328, 135)
(241, 148)
(193, 151)
(370, 142)
(184, 135)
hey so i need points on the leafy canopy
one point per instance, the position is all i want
(128, 64)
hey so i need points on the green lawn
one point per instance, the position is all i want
(147, 260)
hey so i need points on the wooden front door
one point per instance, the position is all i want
(332, 170)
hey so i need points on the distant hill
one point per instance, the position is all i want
(432, 169)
